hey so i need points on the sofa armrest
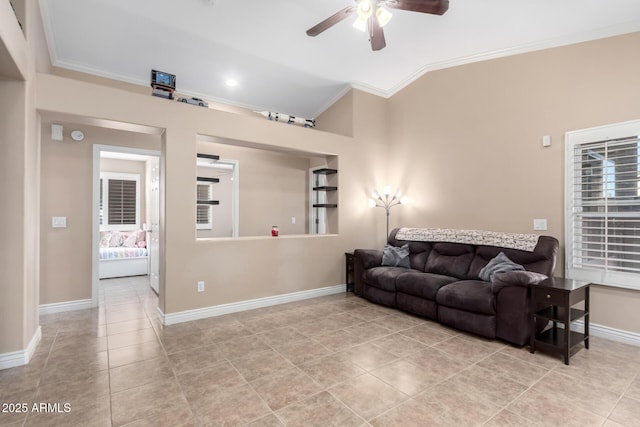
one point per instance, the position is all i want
(364, 259)
(368, 257)
(516, 278)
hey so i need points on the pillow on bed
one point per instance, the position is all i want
(500, 264)
(116, 239)
(130, 240)
(141, 240)
(105, 238)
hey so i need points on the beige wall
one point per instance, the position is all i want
(19, 189)
(466, 143)
(369, 125)
(66, 190)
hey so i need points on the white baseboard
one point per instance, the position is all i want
(21, 357)
(234, 307)
(609, 333)
(59, 307)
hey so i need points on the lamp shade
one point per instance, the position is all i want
(360, 24)
(383, 15)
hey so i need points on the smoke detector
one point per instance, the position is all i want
(77, 135)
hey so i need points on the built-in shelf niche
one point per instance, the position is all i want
(325, 199)
(207, 179)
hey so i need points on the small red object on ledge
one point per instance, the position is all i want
(274, 231)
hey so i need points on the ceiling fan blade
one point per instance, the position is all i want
(330, 21)
(434, 7)
(376, 35)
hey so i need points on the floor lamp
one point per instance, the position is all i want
(386, 202)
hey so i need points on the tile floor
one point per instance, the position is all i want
(330, 361)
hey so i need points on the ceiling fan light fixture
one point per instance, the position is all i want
(360, 24)
(383, 15)
(365, 9)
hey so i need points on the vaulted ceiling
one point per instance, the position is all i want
(263, 45)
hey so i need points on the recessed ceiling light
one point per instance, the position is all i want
(231, 82)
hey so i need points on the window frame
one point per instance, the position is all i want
(602, 276)
(104, 179)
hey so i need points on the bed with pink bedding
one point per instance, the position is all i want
(123, 253)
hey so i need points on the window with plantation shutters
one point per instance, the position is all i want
(122, 202)
(204, 211)
(603, 206)
(119, 201)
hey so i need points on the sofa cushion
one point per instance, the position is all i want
(480, 324)
(450, 259)
(424, 285)
(500, 264)
(396, 256)
(418, 251)
(384, 277)
(470, 295)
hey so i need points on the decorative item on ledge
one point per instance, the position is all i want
(285, 118)
(386, 203)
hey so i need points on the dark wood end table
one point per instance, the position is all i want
(553, 300)
(349, 271)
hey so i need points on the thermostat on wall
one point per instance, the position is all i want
(59, 222)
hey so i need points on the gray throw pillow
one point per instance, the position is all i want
(500, 264)
(396, 256)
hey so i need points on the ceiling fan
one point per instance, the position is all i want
(373, 15)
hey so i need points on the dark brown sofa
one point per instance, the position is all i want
(443, 284)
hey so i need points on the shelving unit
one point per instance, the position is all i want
(206, 179)
(318, 188)
(208, 156)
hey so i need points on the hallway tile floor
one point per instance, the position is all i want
(329, 361)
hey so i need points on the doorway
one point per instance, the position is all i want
(125, 220)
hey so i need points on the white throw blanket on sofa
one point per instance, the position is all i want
(523, 242)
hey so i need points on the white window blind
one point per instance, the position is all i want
(119, 201)
(603, 200)
(204, 220)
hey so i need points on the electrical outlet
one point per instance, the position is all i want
(293, 220)
(201, 286)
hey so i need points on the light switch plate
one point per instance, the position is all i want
(540, 224)
(59, 222)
